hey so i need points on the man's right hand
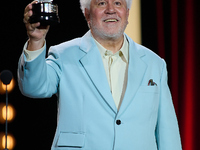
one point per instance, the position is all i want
(35, 32)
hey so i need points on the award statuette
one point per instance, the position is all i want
(45, 12)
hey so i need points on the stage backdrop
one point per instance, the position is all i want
(171, 29)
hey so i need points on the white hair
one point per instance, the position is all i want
(86, 4)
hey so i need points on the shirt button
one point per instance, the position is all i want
(118, 122)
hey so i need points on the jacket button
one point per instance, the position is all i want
(118, 122)
(22, 68)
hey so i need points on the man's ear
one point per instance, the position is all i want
(87, 15)
(128, 12)
(127, 15)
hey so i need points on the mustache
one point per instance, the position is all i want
(111, 17)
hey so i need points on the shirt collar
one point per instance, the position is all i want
(124, 49)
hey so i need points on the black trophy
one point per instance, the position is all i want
(45, 12)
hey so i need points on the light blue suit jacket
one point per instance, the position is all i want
(87, 116)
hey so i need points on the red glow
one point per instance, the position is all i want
(160, 23)
(174, 54)
(189, 76)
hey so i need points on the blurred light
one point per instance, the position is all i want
(10, 86)
(10, 115)
(10, 142)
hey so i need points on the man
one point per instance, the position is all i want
(112, 92)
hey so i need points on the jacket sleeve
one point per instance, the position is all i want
(39, 77)
(167, 131)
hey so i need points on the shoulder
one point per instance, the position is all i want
(141, 51)
(66, 46)
(79, 45)
(149, 54)
(141, 54)
(68, 51)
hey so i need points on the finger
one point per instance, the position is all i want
(27, 16)
(34, 26)
(29, 7)
(44, 27)
(27, 13)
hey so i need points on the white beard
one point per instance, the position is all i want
(106, 35)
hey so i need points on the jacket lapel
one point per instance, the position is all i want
(93, 65)
(136, 70)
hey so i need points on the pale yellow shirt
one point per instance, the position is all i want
(116, 68)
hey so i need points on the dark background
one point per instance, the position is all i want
(35, 122)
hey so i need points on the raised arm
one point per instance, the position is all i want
(37, 78)
(36, 33)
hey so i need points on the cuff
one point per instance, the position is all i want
(30, 55)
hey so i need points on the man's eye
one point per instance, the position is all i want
(102, 3)
(117, 3)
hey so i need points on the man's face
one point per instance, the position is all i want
(107, 18)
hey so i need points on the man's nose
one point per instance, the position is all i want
(110, 9)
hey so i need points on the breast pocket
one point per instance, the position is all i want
(148, 89)
(72, 140)
(147, 98)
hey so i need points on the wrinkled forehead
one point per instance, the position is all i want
(109, 0)
(124, 2)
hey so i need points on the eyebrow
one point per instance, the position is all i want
(105, 0)
(99, 0)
